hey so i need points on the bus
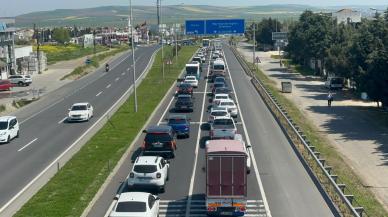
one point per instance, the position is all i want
(205, 42)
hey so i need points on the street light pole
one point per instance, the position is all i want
(176, 43)
(254, 42)
(161, 24)
(133, 53)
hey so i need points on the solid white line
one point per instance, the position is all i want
(99, 93)
(117, 79)
(108, 86)
(28, 144)
(268, 212)
(61, 121)
(70, 147)
(188, 204)
(165, 111)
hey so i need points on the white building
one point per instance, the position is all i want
(347, 16)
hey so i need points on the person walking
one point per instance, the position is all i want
(329, 99)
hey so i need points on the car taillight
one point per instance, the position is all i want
(211, 209)
(143, 145)
(158, 175)
(131, 175)
(242, 208)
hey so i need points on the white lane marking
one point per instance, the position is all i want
(117, 79)
(73, 144)
(108, 86)
(61, 121)
(123, 73)
(28, 144)
(99, 93)
(188, 204)
(32, 116)
(165, 111)
(249, 142)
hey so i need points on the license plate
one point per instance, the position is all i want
(184, 107)
(158, 145)
(226, 213)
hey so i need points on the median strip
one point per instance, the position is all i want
(72, 188)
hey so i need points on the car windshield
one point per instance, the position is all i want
(176, 121)
(183, 85)
(227, 104)
(218, 67)
(78, 108)
(190, 70)
(3, 125)
(222, 97)
(219, 113)
(190, 78)
(219, 79)
(145, 168)
(222, 90)
(219, 85)
(131, 206)
(223, 122)
(157, 137)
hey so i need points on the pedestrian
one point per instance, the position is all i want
(329, 99)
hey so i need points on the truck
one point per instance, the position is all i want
(226, 178)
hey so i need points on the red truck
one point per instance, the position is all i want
(226, 178)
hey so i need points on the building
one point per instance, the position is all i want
(347, 16)
(7, 44)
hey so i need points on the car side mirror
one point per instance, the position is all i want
(157, 198)
(203, 169)
(249, 146)
(144, 131)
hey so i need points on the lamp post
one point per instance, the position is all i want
(133, 53)
(254, 42)
(162, 27)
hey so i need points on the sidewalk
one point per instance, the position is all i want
(42, 84)
(353, 133)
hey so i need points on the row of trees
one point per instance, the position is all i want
(264, 29)
(358, 52)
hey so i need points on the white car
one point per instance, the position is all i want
(203, 58)
(149, 171)
(220, 96)
(246, 148)
(192, 80)
(9, 128)
(80, 112)
(135, 204)
(218, 112)
(230, 105)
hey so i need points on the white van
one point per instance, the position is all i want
(9, 128)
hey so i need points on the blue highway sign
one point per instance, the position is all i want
(231, 26)
(195, 27)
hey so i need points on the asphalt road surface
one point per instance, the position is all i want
(279, 185)
(44, 134)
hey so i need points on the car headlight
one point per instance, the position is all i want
(3, 133)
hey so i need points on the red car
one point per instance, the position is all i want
(5, 85)
(184, 88)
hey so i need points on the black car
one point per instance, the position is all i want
(184, 88)
(220, 79)
(218, 85)
(184, 103)
(222, 90)
(159, 140)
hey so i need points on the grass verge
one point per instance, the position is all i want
(71, 189)
(85, 69)
(362, 194)
(2, 108)
(22, 102)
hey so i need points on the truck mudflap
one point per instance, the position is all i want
(226, 207)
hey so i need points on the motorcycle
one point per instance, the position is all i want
(106, 68)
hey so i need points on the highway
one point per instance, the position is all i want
(44, 134)
(279, 184)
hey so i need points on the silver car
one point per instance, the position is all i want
(21, 80)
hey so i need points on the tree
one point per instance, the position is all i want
(61, 35)
(264, 30)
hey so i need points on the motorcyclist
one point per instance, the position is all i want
(107, 67)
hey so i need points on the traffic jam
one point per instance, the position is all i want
(226, 161)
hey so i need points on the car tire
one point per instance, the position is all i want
(8, 139)
(162, 189)
(248, 171)
(17, 134)
(20, 83)
(88, 118)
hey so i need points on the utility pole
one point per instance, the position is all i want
(94, 42)
(254, 42)
(133, 53)
(38, 47)
(176, 43)
(162, 27)
(158, 4)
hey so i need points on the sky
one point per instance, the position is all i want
(17, 7)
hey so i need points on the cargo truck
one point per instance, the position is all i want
(226, 178)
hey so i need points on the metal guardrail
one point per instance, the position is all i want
(345, 203)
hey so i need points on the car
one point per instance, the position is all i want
(180, 124)
(219, 79)
(222, 90)
(21, 80)
(247, 147)
(217, 85)
(203, 58)
(230, 105)
(80, 112)
(219, 96)
(160, 141)
(5, 85)
(9, 128)
(218, 112)
(334, 83)
(149, 171)
(135, 204)
(222, 128)
(184, 103)
(184, 88)
(192, 80)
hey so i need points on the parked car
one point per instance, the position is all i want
(21, 80)
(80, 112)
(184, 103)
(149, 171)
(180, 124)
(9, 128)
(192, 80)
(230, 105)
(134, 204)
(184, 88)
(5, 85)
(222, 128)
(159, 140)
(218, 112)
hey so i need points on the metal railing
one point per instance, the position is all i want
(345, 203)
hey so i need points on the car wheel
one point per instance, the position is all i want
(20, 83)
(162, 189)
(88, 118)
(17, 134)
(8, 139)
